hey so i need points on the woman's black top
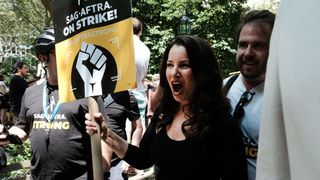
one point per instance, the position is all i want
(218, 155)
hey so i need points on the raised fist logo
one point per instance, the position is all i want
(93, 71)
(91, 65)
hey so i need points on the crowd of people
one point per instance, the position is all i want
(189, 122)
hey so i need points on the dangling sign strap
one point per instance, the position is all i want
(45, 105)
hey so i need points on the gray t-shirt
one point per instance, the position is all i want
(61, 148)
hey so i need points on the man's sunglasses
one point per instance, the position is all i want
(245, 99)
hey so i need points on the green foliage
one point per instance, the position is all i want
(16, 154)
(22, 19)
(20, 22)
(213, 20)
(271, 5)
(19, 153)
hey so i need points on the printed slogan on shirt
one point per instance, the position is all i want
(94, 47)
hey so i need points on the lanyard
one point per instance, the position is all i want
(45, 105)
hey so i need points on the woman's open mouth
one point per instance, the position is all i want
(177, 88)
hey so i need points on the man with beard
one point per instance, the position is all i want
(245, 90)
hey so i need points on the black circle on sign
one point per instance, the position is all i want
(108, 81)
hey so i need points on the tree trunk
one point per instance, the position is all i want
(48, 6)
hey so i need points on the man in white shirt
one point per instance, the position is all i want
(246, 92)
(142, 57)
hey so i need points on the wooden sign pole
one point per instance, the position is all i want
(95, 143)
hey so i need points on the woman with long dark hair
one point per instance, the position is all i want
(191, 135)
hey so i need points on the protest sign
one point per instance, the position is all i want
(94, 47)
(94, 53)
